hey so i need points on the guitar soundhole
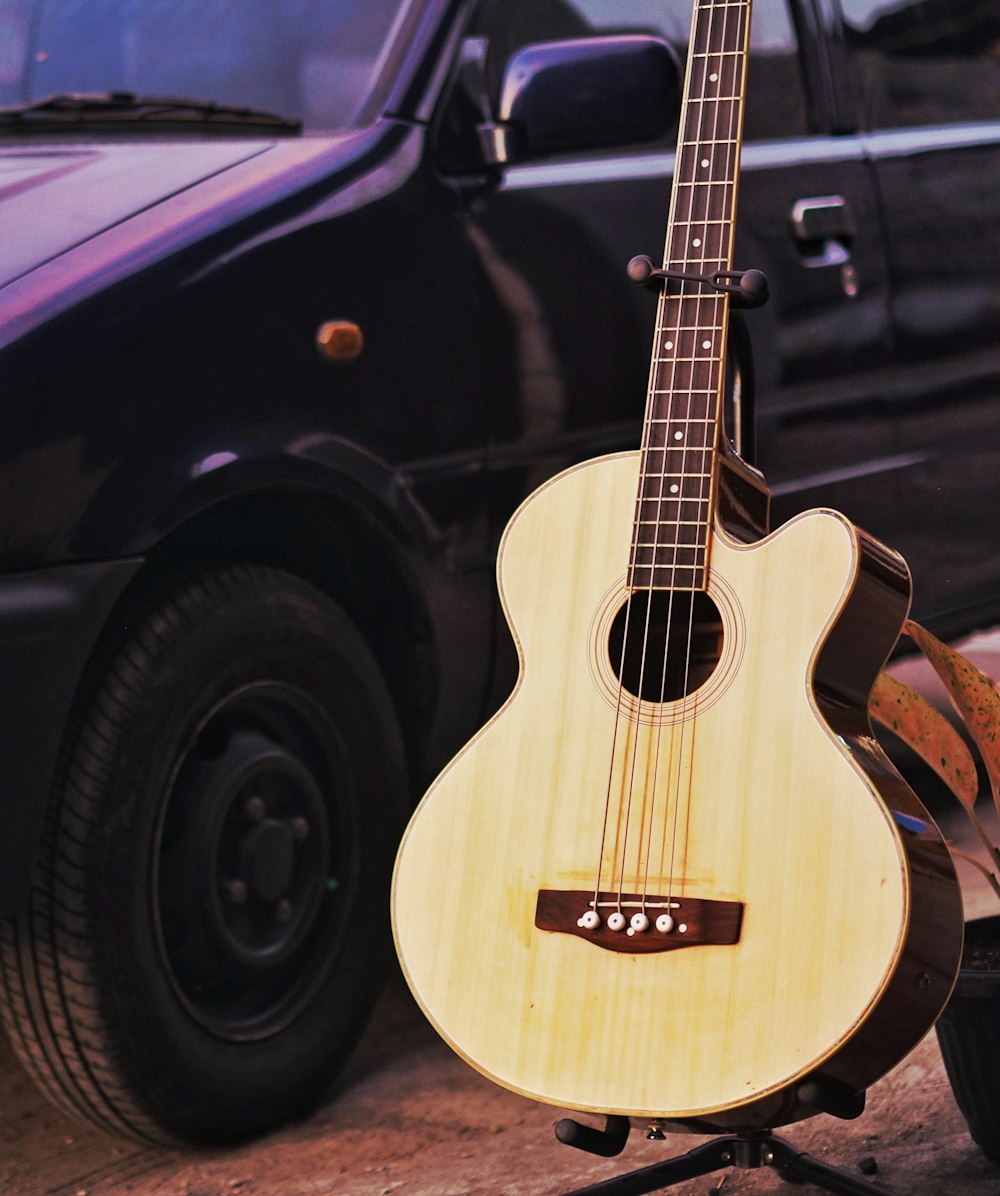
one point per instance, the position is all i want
(673, 643)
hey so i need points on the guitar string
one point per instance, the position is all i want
(676, 397)
(619, 720)
(611, 768)
(619, 861)
(635, 724)
(726, 196)
(656, 386)
(656, 376)
(710, 312)
(715, 200)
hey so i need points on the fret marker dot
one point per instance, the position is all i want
(669, 345)
(674, 488)
(714, 77)
(704, 161)
(678, 436)
(696, 242)
(706, 344)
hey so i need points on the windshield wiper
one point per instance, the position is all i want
(120, 108)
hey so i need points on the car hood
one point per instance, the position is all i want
(81, 219)
(54, 197)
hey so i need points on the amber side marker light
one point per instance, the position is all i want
(339, 340)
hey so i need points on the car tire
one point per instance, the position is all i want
(208, 927)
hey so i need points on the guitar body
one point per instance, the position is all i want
(761, 791)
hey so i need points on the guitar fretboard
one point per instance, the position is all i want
(676, 500)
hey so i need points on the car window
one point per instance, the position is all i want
(776, 105)
(314, 60)
(924, 62)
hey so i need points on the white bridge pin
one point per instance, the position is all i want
(590, 920)
(616, 921)
(664, 923)
(638, 924)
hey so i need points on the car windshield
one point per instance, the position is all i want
(318, 61)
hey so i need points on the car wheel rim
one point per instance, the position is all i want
(250, 893)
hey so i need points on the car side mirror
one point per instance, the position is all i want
(583, 94)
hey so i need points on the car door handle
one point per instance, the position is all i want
(823, 218)
(824, 227)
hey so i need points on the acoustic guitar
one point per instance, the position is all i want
(675, 876)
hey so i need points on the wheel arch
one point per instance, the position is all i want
(62, 625)
(343, 548)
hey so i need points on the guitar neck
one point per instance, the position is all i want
(676, 500)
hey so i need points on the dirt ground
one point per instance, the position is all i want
(409, 1117)
(413, 1119)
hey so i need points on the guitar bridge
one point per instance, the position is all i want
(637, 924)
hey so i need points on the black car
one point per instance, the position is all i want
(298, 301)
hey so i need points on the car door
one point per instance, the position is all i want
(925, 77)
(557, 235)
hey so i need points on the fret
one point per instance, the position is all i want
(682, 389)
(711, 333)
(692, 462)
(668, 554)
(697, 265)
(696, 434)
(652, 494)
(644, 548)
(716, 156)
(687, 474)
(702, 526)
(675, 523)
(690, 202)
(674, 357)
(668, 330)
(689, 488)
(669, 510)
(676, 492)
(671, 330)
(686, 366)
(675, 540)
(675, 504)
(723, 118)
(671, 357)
(714, 71)
(706, 89)
(651, 577)
(696, 439)
(683, 342)
(684, 557)
(706, 141)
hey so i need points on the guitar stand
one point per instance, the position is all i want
(747, 1150)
